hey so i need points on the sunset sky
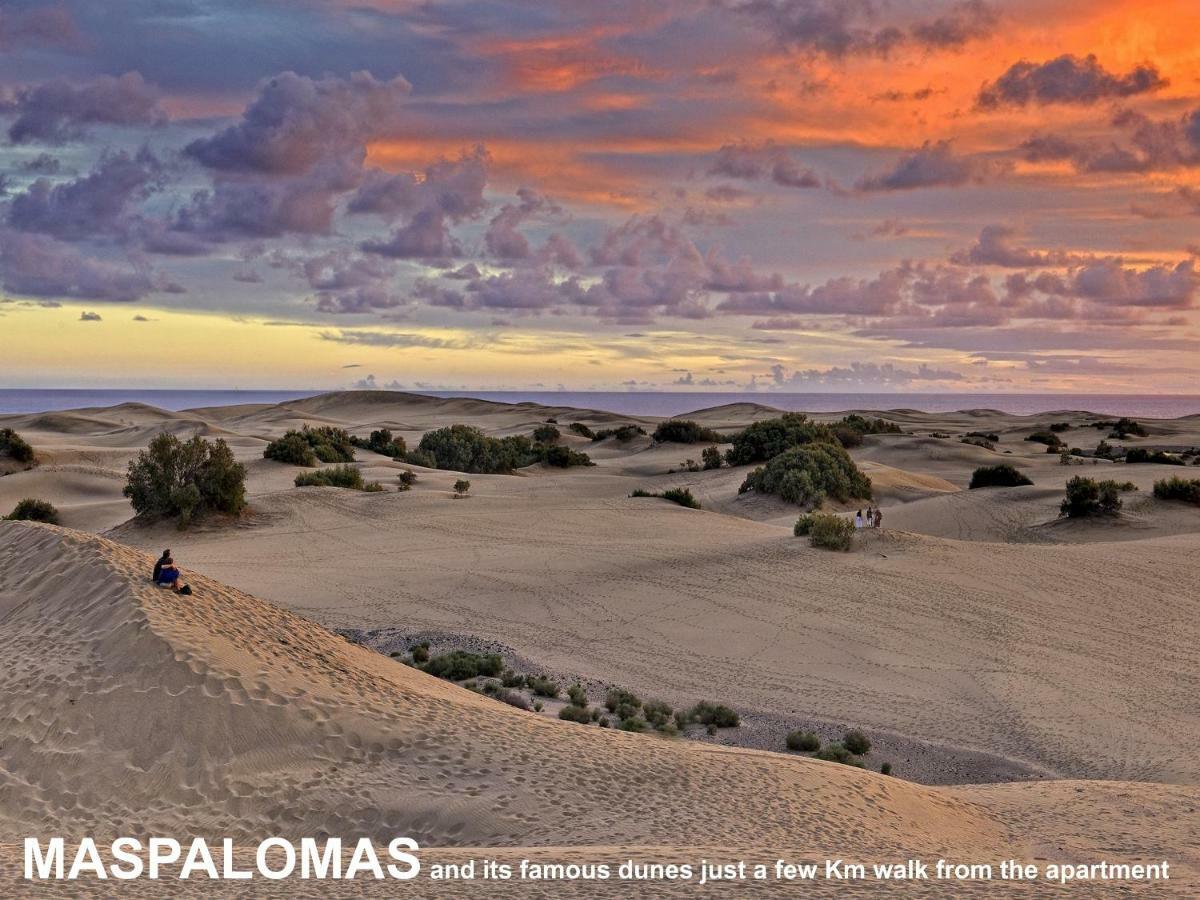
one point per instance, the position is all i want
(798, 195)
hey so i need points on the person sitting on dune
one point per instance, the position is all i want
(159, 563)
(169, 576)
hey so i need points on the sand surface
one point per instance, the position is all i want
(974, 621)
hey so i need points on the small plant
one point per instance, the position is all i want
(406, 479)
(461, 487)
(831, 532)
(623, 433)
(1003, 475)
(837, 752)
(31, 510)
(1088, 497)
(538, 706)
(512, 698)
(15, 447)
(856, 742)
(542, 686)
(685, 431)
(511, 679)
(1049, 438)
(577, 695)
(420, 654)
(658, 714)
(546, 434)
(573, 713)
(711, 457)
(333, 476)
(1124, 427)
(715, 714)
(803, 741)
(373, 487)
(580, 429)
(803, 526)
(885, 768)
(633, 724)
(461, 665)
(562, 457)
(622, 703)
(682, 496)
(990, 436)
(1144, 455)
(1187, 490)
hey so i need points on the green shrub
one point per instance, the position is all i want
(1002, 475)
(14, 446)
(685, 431)
(711, 457)
(658, 714)
(831, 532)
(838, 753)
(464, 448)
(633, 724)
(1104, 450)
(716, 714)
(573, 713)
(803, 741)
(1049, 438)
(849, 431)
(542, 686)
(577, 695)
(856, 742)
(420, 653)
(511, 679)
(384, 443)
(1059, 427)
(512, 698)
(990, 436)
(306, 446)
(373, 487)
(885, 768)
(461, 487)
(642, 492)
(978, 442)
(292, 449)
(1124, 427)
(546, 434)
(807, 474)
(767, 439)
(562, 457)
(803, 526)
(459, 665)
(1187, 490)
(185, 479)
(682, 496)
(333, 476)
(623, 433)
(1087, 497)
(622, 703)
(31, 510)
(407, 479)
(580, 429)
(1144, 455)
(421, 458)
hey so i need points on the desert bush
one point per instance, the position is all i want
(1059, 427)
(14, 446)
(580, 429)
(459, 665)
(623, 433)
(31, 510)
(711, 457)
(1049, 438)
(809, 473)
(885, 768)
(1087, 497)
(577, 695)
(850, 430)
(562, 457)
(1003, 475)
(1124, 427)
(622, 703)
(688, 465)
(461, 487)
(185, 479)
(633, 724)
(658, 714)
(1104, 450)
(682, 496)
(373, 487)
(803, 526)
(306, 446)
(642, 492)
(546, 434)
(464, 448)
(1145, 455)
(989, 436)
(511, 679)
(407, 479)
(717, 714)
(333, 476)
(831, 532)
(1185, 489)
(803, 741)
(978, 442)
(837, 752)
(856, 742)
(512, 698)
(767, 439)
(292, 449)
(573, 713)
(542, 686)
(384, 443)
(421, 458)
(420, 653)
(685, 431)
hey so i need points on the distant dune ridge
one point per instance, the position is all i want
(976, 621)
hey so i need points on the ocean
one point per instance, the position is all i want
(642, 403)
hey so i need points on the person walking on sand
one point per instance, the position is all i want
(858, 519)
(878, 517)
(869, 522)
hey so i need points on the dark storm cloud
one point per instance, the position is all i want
(1067, 79)
(59, 111)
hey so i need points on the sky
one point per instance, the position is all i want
(711, 195)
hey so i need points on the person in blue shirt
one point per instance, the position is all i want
(166, 574)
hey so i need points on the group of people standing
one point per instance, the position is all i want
(873, 518)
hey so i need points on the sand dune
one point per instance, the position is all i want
(127, 709)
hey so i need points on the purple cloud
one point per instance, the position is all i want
(1067, 79)
(59, 111)
(931, 165)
